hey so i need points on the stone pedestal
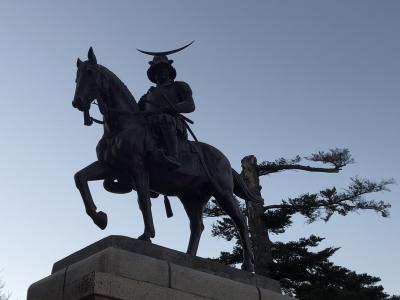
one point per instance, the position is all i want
(123, 268)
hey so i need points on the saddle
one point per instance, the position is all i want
(188, 156)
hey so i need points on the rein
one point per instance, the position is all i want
(94, 119)
(144, 114)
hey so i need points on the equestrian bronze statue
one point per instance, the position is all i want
(145, 147)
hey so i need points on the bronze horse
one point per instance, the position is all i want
(126, 161)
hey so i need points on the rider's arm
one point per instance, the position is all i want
(141, 102)
(185, 103)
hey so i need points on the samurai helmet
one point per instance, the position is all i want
(160, 58)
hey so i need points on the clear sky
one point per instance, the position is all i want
(270, 78)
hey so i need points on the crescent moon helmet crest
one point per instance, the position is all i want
(165, 52)
(160, 58)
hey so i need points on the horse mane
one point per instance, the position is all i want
(126, 92)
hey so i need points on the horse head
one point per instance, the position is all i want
(96, 82)
(89, 85)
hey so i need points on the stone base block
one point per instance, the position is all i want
(128, 269)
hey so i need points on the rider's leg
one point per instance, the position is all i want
(169, 135)
(171, 141)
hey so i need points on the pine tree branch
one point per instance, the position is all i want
(3, 295)
(212, 209)
(231, 258)
(273, 168)
(338, 158)
(327, 202)
(305, 274)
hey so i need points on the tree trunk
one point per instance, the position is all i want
(258, 232)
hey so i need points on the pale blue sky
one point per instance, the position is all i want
(270, 78)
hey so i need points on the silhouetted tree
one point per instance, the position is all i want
(302, 272)
(3, 294)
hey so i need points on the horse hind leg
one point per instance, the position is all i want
(141, 180)
(229, 204)
(194, 209)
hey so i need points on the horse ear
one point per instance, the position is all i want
(91, 56)
(78, 62)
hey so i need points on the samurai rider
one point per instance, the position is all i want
(168, 99)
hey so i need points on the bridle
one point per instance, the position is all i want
(102, 86)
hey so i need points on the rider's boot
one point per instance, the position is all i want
(171, 144)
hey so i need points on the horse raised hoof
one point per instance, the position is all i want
(100, 219)
(248, 266)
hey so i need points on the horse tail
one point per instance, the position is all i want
(240, 189)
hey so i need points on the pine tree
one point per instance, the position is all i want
(303, 273)
(3, 294)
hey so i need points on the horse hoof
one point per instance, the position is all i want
(100, 219)
(144, 237)
(248, 266)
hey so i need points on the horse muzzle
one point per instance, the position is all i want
(78, 103)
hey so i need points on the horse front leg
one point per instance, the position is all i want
(95, 171)
(141, 179)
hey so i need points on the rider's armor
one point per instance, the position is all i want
(168, 98)
(161, 98)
